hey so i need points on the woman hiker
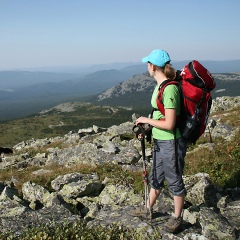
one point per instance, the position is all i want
(169, 146)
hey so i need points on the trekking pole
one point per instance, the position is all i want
(145, 181)
(140, 133)
(212, 124)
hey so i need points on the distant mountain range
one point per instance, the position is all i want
(26, 92)
(213, 67)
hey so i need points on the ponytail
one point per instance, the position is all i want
(169, 71)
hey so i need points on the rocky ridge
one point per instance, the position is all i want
(144, 83)
(137, 83)
(209, 213)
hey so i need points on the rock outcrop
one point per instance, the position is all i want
(209, 212)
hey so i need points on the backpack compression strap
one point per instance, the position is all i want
(161, 105)
(160, 94)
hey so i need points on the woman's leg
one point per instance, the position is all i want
(153, 195)
(178, 204)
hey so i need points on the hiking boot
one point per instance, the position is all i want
(140, 211)
(174, 224)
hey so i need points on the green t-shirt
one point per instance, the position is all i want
(171, 99)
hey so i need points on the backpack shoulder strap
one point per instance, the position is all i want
(160, 94)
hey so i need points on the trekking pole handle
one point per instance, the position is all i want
(139, 131)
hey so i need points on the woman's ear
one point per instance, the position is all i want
(153, 67)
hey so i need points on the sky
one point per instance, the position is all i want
(44, 33)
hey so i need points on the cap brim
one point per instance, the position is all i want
(145, 59)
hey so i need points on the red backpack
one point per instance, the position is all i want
(194, 83)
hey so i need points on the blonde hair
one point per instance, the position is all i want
(168, 70)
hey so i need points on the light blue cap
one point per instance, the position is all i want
(157, 57)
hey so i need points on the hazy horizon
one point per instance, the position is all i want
(103, 66)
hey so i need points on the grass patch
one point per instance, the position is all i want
(114, 173)
(56, 123)
(222, 160)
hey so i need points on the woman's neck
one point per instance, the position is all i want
(160, 77)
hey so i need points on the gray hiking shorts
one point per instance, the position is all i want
(168, 164)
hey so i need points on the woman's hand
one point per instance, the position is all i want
(142, 120)
(168, 123)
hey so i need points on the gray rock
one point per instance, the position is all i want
(60, 181)
(232, 213)
(214, 226)
(119, 195)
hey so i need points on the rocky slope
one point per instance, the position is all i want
(209, 213)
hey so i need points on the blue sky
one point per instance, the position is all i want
(42, 33)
